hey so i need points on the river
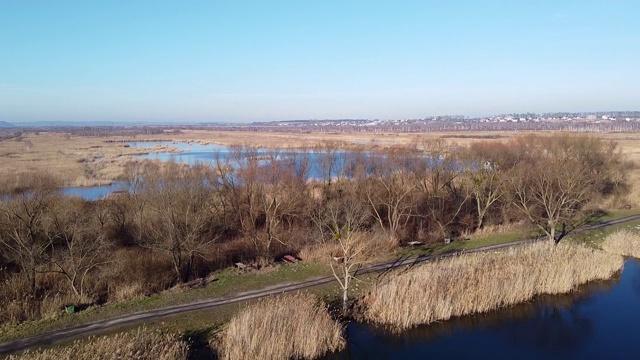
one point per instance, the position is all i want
(597, 321)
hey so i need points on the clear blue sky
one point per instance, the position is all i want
(262, 60)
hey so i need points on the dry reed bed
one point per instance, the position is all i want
(285, 327)
(141, 344)
(623, 242)
(483, 282)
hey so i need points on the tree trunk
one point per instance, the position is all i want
(480, 220)
(31, 277)
(345, 294)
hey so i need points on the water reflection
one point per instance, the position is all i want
(598, 320)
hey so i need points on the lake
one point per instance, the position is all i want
(93, 192)
(598, 321)
(194, 153)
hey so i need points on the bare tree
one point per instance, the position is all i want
(483, 178)
(444, 192)
(77, 242)
(341, 224)
(24, 223)
(178, 219)
(330, 163)
(271, 197)
(390, 190)
(556, 177)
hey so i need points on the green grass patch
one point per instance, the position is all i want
(594, 238)
(459, 245)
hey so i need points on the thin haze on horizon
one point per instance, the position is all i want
(264, 60)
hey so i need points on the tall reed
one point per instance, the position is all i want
(623, 242)
(482, 282)
(285, 327)
(139, 345)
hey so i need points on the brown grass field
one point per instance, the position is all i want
(86, 161)
(482, 282)
(140, 344)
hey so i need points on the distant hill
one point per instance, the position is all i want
(4, 124)
(50, 124)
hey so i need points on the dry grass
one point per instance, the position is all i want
(290, 326)
(483, 282)
(85, 161)
(141, 344)
(75, 160)
(128, 292)
(623, 242)
(497, 229)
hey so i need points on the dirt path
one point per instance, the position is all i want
(147, 315)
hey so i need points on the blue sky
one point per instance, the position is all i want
(194, 61)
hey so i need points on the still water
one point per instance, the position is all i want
(598, 321)
(193, 153)
(93, 192)
(190, 153)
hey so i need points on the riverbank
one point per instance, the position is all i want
(483, 282)
(577, 250)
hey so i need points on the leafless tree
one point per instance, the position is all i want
(178, 217)
(443, 189)
(271, 195)
(77, 242)
(556, 177)
(24, 223)
(391, 190)
(483, 176)
(341, 224)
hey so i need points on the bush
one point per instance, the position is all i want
(285, 327)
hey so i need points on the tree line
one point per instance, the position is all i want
(177, 222)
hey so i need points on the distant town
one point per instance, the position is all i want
(610, 121)
(617, 121)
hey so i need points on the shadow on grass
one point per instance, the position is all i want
(199, 346)
(595, 217)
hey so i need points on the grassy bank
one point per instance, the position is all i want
(224, 283)
(482, 282)
(230, 281)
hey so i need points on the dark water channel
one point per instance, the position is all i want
(598, 321)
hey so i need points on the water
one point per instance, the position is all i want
(599, 321)
(194, 153)
(190, 153)
(93, 192)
